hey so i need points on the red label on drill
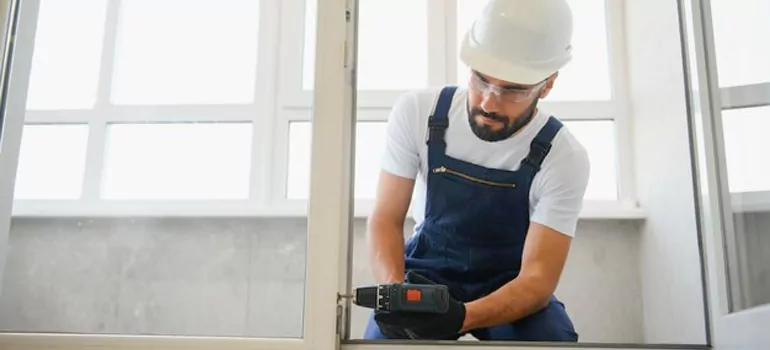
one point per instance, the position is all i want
(413, 295)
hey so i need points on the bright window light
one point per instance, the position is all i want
(67, 54)
(186, 52)
(177, 161)
(587, 77)
(51, 162)
(746, 145)
(598, 138)
(735, 22)
(392, 44)
(370, 138)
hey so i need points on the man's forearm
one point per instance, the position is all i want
(386, 251)
(513, 301)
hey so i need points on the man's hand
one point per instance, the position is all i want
(420, 325)
(545, 253)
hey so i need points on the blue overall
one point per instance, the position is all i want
(472, 236)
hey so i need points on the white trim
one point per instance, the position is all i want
(18, 341)
(16, 68)
(102, 342)
(330, 203)
(144, 114)
(756, 95)
(475, 345)
(594, 210)
(438, 42)
(750, 202)
(621, 101)
(263, 135)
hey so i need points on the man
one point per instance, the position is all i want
(497, 184)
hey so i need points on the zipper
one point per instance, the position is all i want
(442, 169)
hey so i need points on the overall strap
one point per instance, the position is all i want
(439, 121)
(541, 145)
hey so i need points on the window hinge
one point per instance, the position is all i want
(340, 302)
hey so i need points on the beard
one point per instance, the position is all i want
(487, 133)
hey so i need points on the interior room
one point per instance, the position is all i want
(163, 173)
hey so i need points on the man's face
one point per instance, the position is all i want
(497, 108)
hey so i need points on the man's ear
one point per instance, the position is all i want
(548, 85)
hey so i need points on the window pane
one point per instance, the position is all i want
(51, 162)
(746, 145)
(208, 55)
(67, 54)
(298, 173)
(370, 138)
(392, 44)
(735, 22)
(598, 137)
(177, 161)
(587, 77)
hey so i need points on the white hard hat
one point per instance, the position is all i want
(519, 41)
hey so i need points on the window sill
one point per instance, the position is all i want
(751, 202)
(593, 210)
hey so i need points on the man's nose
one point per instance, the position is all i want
(490, 102)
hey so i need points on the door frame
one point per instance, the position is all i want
(13, 94)
(719, 245)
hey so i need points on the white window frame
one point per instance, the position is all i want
(328, 218)
(373, 105)
(279, 94)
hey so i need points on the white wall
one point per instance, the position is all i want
(670, 266)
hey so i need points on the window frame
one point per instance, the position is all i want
(279, 94)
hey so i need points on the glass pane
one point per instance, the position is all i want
(735, 22)
(587, 77)
(67, 54)
(208, 55)
(748, 174)
(370, 138)
(390, 57)
(51, 162)
(598, 137)
(178, 161)
(746, 144)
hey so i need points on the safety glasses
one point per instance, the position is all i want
(504, 94)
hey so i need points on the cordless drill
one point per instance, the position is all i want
(428, 298)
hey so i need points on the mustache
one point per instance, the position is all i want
(494, 116)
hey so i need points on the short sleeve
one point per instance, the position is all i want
(564, 184)
(400, 155)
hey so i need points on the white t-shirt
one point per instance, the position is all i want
(556, 196)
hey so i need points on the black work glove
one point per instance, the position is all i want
(420, 325)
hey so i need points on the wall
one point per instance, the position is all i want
(670, 265)
(754, 228)
(245, 277)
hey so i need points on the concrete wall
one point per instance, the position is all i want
(754, 229)
(245, 277)
(670, 265)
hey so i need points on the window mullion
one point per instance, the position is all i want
(266, 99)
(621, 101)
(450, 28)
(97, 125)
(438, 39)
